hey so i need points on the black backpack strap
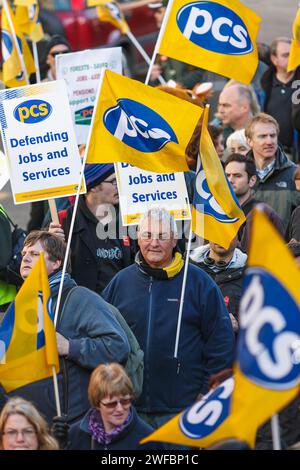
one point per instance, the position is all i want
(65, 295)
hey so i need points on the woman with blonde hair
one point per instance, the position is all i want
(112, 423)
(23, 428)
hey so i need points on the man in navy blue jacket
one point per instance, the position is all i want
(148, 296)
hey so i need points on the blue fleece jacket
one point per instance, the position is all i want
(150, 306)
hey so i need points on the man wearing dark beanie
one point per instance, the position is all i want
(56, 45)
(99, 248)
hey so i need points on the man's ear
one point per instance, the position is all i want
(252, 181)
(57, 264)
(273, 59)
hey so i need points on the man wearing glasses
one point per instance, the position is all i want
(100, 247)
(148, 296)
(56, 45)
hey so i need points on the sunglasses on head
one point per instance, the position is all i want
(54, 54)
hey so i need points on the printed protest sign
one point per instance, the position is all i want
(40, 142)
(81, 71)
(140, 190)
(4, 174)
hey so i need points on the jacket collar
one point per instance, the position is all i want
(84, 425)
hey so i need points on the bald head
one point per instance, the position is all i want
(235, 106)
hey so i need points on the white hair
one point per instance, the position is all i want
(240, 137)
(160, 214)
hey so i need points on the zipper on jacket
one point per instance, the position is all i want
(148, 337)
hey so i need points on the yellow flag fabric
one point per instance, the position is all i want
(201, 425)
(111, 13)
(29, 22)
(25, 3)
(140, 125)
(267, 371)
(13, 75)
(294, 58)
(28, 348)
(95, 3)
(216, 213)
(216, 35)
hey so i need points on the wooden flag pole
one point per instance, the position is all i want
(53, 211)
(16, 41)
(56, 392)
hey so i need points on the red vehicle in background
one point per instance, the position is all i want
(83, 29)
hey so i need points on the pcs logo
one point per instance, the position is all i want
(203, 196)
(32, 111)
(138, 126)
(205, 416)
(269, 343)
(215, 28)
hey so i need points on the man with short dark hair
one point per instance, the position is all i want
(87, 333)
(148, 296)
(241, 173)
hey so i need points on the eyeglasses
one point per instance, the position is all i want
(159, 236)
(125, 402)
(113, 182)
(54, 54)
(12, 434)
(219, 264)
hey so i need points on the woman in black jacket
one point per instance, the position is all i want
(112, 423)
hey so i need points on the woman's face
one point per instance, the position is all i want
(19, 434)
(219, 146)
(238, 147)
(114, 411)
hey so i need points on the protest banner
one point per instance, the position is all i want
(81, 71)
(139, 190)
(4, 174)
(40, 142)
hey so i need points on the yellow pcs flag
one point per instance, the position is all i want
(216, 35)
(29, 22)
(13, 75)
(95, 3)
(294, 58)
(25, 3)
(28, 348)
(140, 125)
(267, 371)
(204, 423)
(111, 13)
(216, 213)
